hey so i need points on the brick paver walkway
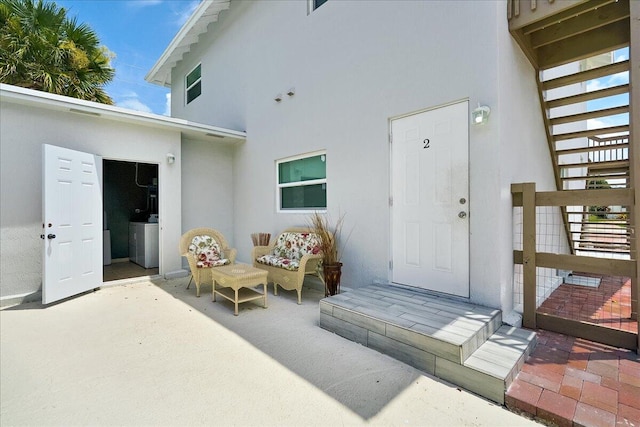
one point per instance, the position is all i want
(574, 382)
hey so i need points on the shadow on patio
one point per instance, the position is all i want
(363, 380)
(150, 354)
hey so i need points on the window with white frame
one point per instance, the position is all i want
(302, 183)
(193, 84)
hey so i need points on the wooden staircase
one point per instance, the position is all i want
(583, 84)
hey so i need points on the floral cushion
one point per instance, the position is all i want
(294, 246)
(276, 261)
(289, 250)
(207, 252)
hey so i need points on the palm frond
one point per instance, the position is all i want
(40, 48)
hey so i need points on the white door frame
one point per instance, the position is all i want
(161, 204)
(391, 186)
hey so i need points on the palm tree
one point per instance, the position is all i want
(42, 49)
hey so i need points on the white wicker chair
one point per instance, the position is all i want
(202, 274)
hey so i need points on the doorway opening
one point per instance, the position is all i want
(130, 222)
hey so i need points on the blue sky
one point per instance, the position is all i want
(613, 80)
(137, 32)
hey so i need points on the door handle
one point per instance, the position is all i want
(462, 214)
(51, 236)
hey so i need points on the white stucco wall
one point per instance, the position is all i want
(207, 184)
(523, 152)
(23, 130)
(354, 67)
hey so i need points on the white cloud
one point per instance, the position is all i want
(605, 122)
(596, 124)
(144, 3)
(619, 78)
(609, 81)
(134, 104)
(621, 54)
(128, 94)
(183, 13)
(595, 85)
(167, 106)
(621, 57)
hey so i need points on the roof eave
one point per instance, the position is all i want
(206, 13)
(20, 95)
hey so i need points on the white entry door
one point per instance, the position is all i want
(72, 223)
(430, 215)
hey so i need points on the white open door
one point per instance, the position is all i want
(430, 223)
(72, 223)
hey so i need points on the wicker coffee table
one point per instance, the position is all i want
(236, 283)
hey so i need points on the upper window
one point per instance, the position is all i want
(302, 183)
(193, 84)
(314, 4)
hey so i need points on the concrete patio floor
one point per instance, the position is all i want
(154, 354)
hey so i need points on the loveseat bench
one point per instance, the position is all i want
(294, 254)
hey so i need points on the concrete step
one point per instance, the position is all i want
(491, 369)
(460, 342)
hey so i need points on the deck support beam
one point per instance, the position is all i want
(634, 149)
(529, 254)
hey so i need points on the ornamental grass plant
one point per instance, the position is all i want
(329, 236)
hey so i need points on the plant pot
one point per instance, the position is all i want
(332, 275)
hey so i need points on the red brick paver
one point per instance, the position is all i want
(590, 416)
(523, 396)
(596, 385)
(608, 305)
(600, 397)
(556, 408)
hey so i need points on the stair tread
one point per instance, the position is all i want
(431, 300)
(502, 351)
(431, 317)
(453, 325)
(454, 333)
(565, 151)
(588, 96)
(591, 132)
(397, 308)
(598, 164)
(583, 76)
(613, 111)
(393, 293)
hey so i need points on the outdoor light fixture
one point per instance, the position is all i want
(481, 115)
(291, 91)
(171, 158)
(278, 97)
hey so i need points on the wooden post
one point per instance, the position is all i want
(529, 254)
(634, 149)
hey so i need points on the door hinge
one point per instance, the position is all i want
(390, 138)
(391, 265)
(390, 201)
